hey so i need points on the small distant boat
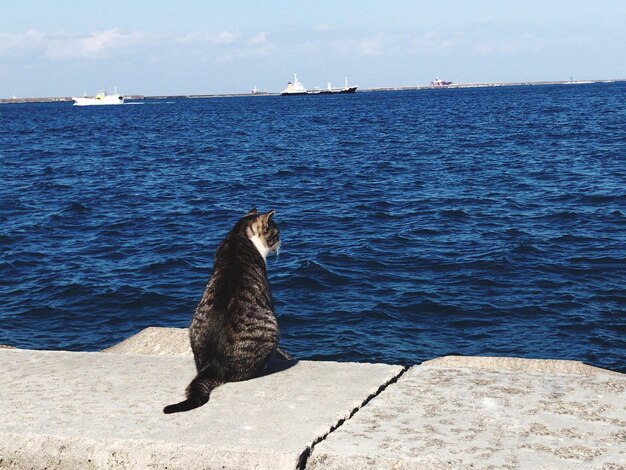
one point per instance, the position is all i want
(101, 98)
(296, 88)
(256, 91)
(438, 82)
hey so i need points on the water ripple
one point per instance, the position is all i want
(414, 224)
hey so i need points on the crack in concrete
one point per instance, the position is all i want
(304, 456)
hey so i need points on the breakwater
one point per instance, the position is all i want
(135, 97)
(103, 410)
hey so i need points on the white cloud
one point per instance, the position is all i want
(322, 27)
(374, 47)
(61, 45)
(497, 48)
(258, 39)
(529, 43)
(14, 45)
(225, 37)
(96, 44)
(431, 41)
(245, 51)
(225, 46)
(401, 44)
(203, 38)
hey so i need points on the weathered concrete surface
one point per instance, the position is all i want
(155, 341)
(158, 341)
(517, 364)
(62, 410)
(464, 412)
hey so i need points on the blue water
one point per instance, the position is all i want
(414, 224)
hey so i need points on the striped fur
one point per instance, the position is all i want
(234, 330)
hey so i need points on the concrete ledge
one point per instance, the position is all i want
(517, 364)
(62, 410)
(463, 412)
(154, 341)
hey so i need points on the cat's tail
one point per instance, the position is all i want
(197, 392)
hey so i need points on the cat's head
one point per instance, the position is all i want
(263, 232)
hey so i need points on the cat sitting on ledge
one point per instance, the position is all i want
(234, 330)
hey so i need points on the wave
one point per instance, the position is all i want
(403, 238)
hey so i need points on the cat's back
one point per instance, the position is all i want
(239, 279)
(234, 330)
(235, 315)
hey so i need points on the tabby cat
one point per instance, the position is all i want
(234, 330)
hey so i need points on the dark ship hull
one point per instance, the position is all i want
(351, 89)
(297, 89)
(337, 91)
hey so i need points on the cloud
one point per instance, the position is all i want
(528, 43)
(322, 27)
(485, 20)
(373, 47)
(61, 45)
(407, 44)
(258, 39)
(14, 45)
(203, 38)
(496, 48)
(96, 45)
(430, 41)
(225, 46)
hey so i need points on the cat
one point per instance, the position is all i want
(234, 330)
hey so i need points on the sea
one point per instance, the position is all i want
(414, 224)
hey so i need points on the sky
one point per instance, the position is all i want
(158, 47)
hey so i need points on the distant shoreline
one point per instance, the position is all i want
(364, 90)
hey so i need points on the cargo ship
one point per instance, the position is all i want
(256, 91)
(438, 82)
(296, 88)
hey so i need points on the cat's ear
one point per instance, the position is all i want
(252, 212)
(269, 215)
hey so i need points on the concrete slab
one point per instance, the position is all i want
(518, 364)
(155, 341)
(160, 341)
(62, 410)
(486, 413)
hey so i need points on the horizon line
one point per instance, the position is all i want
(33, 99)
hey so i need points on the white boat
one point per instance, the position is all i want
(101, 98)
